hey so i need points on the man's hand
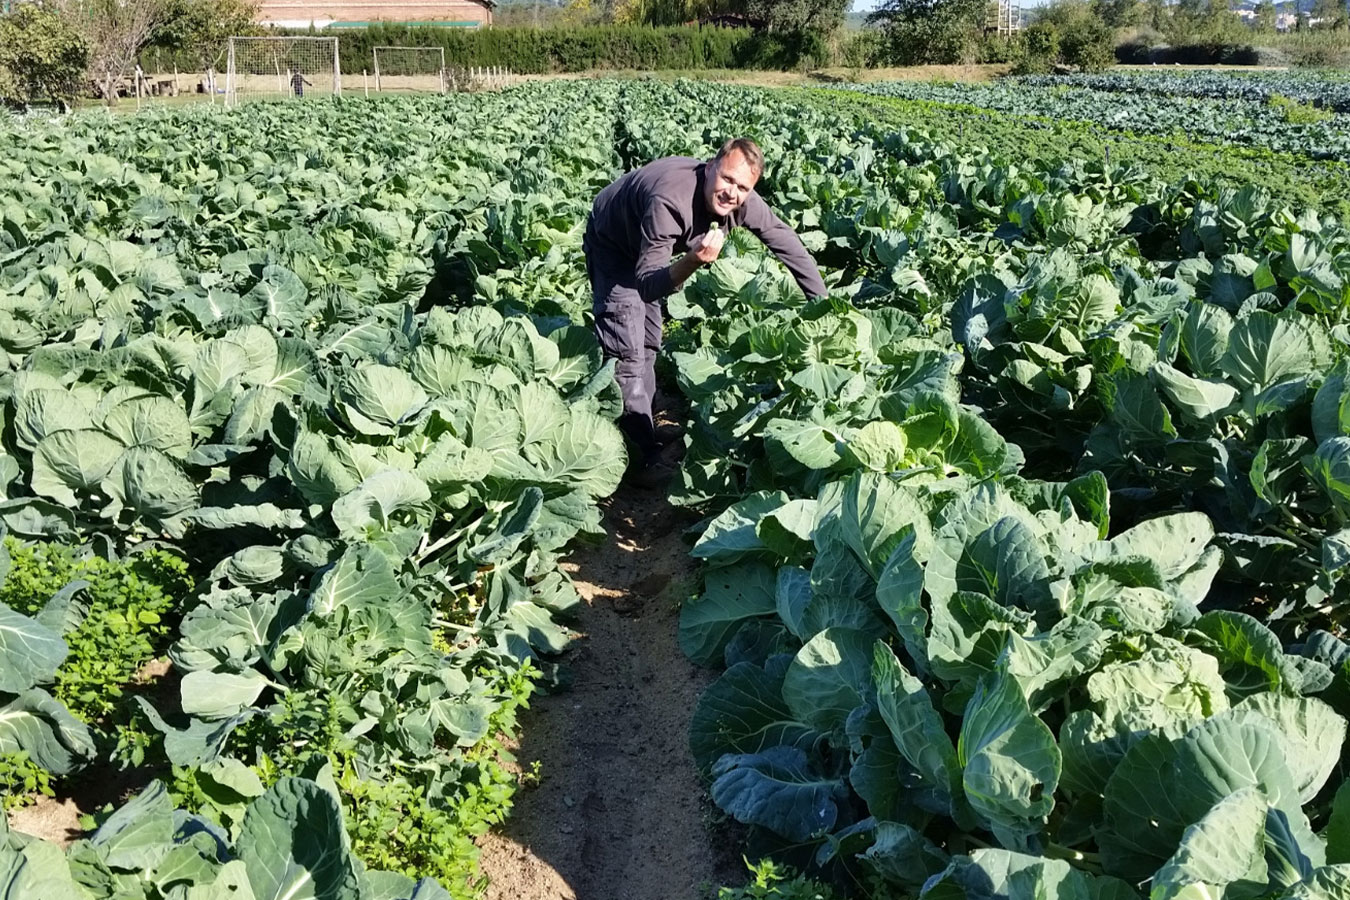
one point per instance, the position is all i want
(706, 247)
(703, 250)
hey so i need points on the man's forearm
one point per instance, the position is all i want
(658, 283)
(779, 237)
(682, 268)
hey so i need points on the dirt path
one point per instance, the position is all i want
(619, 813)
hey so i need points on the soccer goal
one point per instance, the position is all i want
(410, 69)
(282, 67)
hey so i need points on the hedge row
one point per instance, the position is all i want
(544, 50)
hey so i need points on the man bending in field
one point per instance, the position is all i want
(672, 205)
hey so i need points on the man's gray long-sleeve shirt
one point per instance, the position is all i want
(640, 221)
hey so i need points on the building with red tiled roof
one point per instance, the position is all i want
(359, 13)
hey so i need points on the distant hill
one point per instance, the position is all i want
(1288, 6)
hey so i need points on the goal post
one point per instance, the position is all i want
(281, 68)
(409, 69)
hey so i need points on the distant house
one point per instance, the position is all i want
(359, 13)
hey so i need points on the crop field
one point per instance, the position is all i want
(1326, 89)
(1024, 557)
(1314, 120)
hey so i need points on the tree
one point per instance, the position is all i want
(1156, 14)
(200, 29)
(1209, 22)
(583, 12)
(1265, 17)
(41, 57)
(1038, 49)
(1120, 13)
(1085, 41)
(1187, 12)
(527, 14)
(779, 16)
(1329, 14)
(798, 16)
(920, 32)
(115, 31)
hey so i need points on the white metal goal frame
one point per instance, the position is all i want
(1005, 17)
(281, 67)
(408, 79)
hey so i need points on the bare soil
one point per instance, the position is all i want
(840, 74)
(812, 78)
(619, 812)
(57, 819)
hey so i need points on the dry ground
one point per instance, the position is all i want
(57, 819)
(619, 812)
(356, 85)
(274, 88)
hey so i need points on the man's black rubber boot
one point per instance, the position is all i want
(669, 433)
(641, 433)
(652, 476)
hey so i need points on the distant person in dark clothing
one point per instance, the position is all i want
(298, 82)
(672, 205)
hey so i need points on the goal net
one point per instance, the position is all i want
(282, 68)
(410, 69)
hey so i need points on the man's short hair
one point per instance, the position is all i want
(754, 157)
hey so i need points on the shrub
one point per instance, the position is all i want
(1273, 56)
(927, 43)
(919, 32)
(862, 49)
(1085, 41)
(1321, 57)
(1037, 50)
(996, 49)
(42, 57)
(1089, 45)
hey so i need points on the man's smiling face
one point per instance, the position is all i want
(728, 183)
